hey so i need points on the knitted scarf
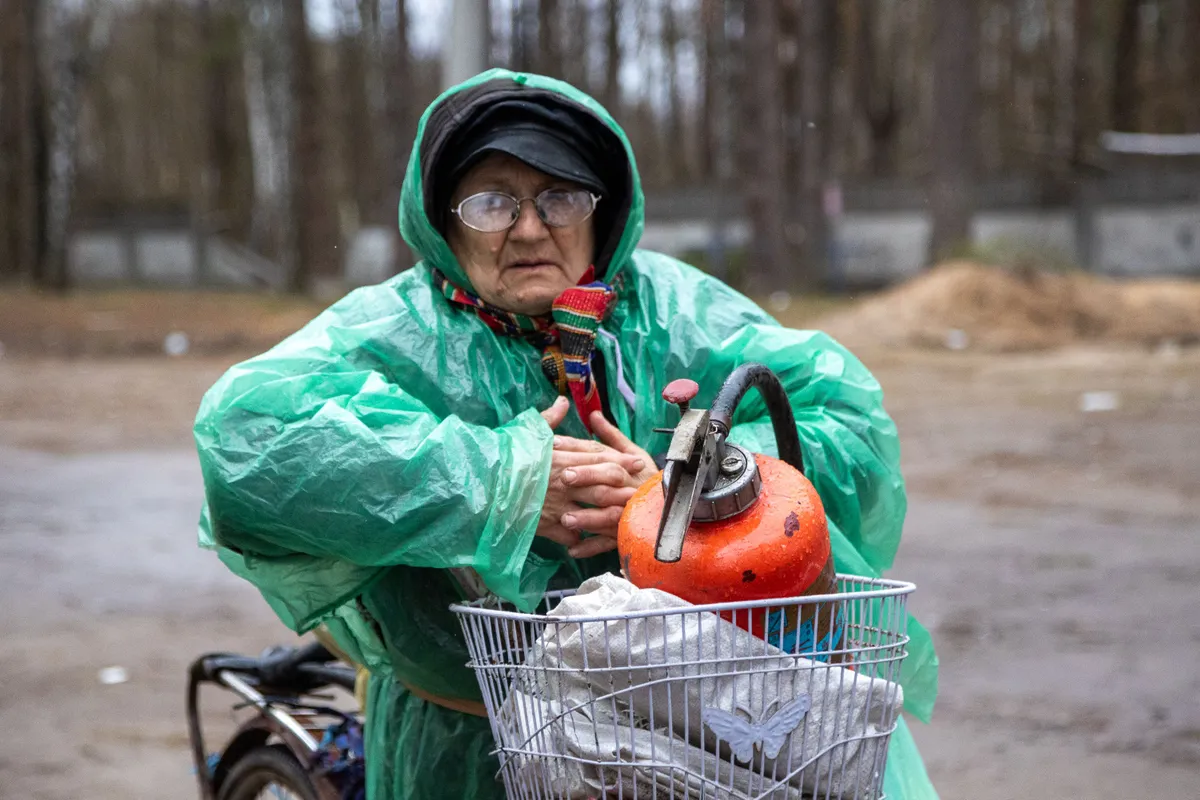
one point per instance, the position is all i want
(566, 337)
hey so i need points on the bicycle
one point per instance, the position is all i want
(296, 744)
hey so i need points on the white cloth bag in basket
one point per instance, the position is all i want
(649, 691)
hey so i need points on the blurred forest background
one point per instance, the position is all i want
(280, 130)
(184, 183)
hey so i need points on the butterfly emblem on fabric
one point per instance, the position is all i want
(768, 735)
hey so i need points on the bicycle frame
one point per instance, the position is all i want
(279, 718)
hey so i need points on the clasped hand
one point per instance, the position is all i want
(590, 483)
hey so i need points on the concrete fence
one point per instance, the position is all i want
(1130, 220)
(883, 247)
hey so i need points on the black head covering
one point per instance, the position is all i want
(539, 129)
(545, 138)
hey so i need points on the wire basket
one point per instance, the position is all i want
(782, 698)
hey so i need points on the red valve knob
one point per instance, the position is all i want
(681, 392)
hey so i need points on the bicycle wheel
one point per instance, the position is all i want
(267, 773)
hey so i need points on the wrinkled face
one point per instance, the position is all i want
(522, 269)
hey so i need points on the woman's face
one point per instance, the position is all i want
(522, 269)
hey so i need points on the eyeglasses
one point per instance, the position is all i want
(492, 212)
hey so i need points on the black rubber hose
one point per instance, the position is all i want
(760, 377)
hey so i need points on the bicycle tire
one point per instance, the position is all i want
(260, 768)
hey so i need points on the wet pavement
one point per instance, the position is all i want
(1057, 555)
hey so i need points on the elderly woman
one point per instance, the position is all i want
(494, 408)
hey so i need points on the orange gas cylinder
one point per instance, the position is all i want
(722, 525)
(775, 548)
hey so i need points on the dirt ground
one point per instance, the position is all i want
(1057, 553)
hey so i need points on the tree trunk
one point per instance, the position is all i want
(1082, 132)
(403, 116)
(400, 98)
(612, 60)
(10, 134)
(712, 31)
(676, 145)
(791, 87)
(66, 65)
(573, 22)
(875, 90)
(818, 28)
(358, 171)
(23, 137)
(1155, 69)
(1019, 114)
(270, 119)
(1192, 79)
(525, 35)
(11, 39)
(318, 267)
(376, 196)
(1125, 104)
(953, 141)
(1055, 97)
(764, 148)
(220, 202)
(1083, 126)
(549, 39)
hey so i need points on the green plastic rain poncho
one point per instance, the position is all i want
(394, 437)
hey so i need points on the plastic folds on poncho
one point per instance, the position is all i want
(394, 437)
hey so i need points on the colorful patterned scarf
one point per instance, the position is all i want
(567, 337)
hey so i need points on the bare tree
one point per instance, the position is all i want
(875, 86)
(10, 92)
(953, 145)
(270, 120)
(197, 101)
(676, 145)
(712, 33)
(377, 198)
(549, 39)
(572, 20)
(313, 211)
(1191, 25)
(23, 139)
(67, 53)
(1083, 130)
(818, 33)
(358, 172)
(525, 35)
(763, 141)
(220, 186)
(401, 101)
(612, 61)
(1083, 122)
(1124, 111)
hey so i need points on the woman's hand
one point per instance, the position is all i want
(609, 492)
(603, 475)
(611, 435)
(588, 473)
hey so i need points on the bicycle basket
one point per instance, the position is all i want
(612, 691)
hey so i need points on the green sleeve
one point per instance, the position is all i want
(325, 468)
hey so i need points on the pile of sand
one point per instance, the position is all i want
(964, 305)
